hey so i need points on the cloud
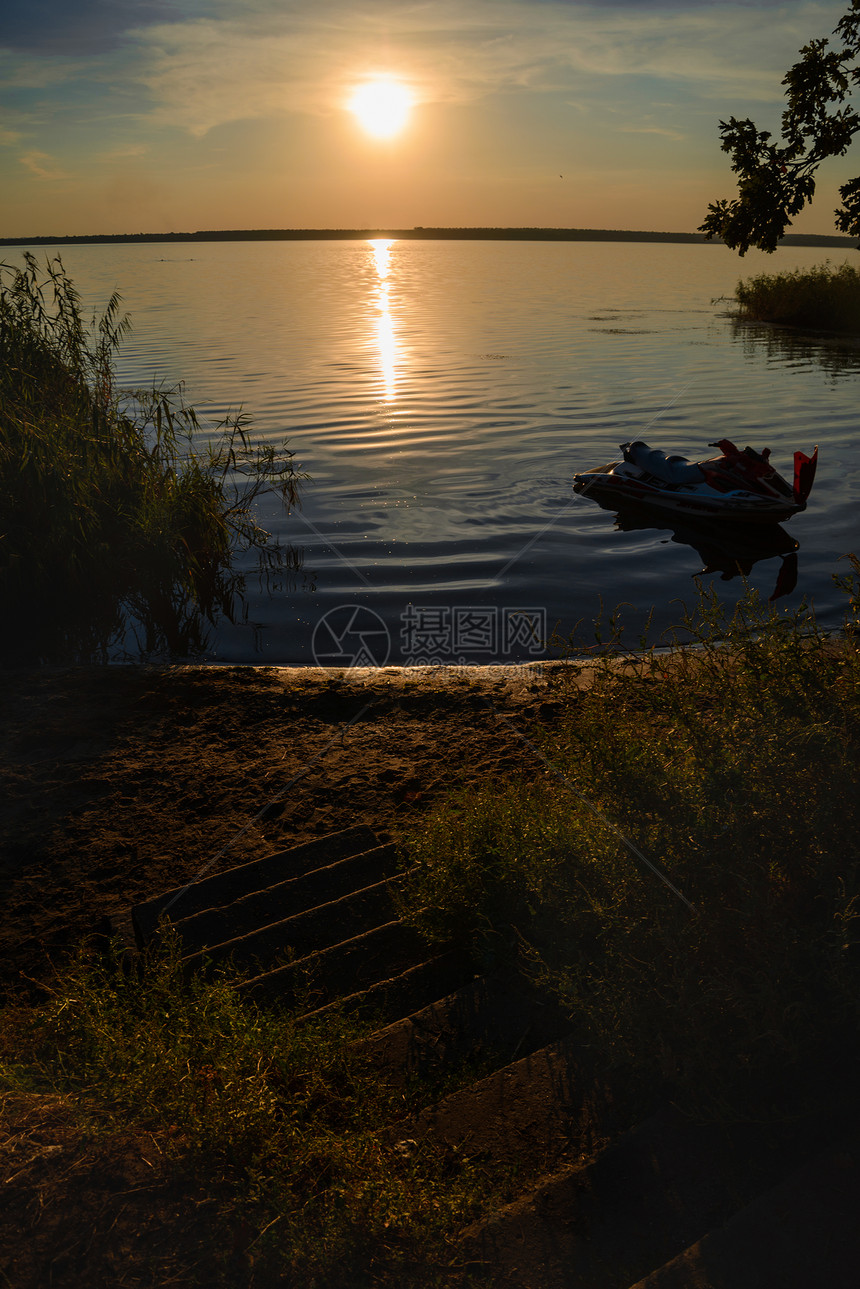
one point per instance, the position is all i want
(675, 135)
(35, 73)
(84, 27)
(43, 166)
(124, 152)
(208, 71)
(8, 136)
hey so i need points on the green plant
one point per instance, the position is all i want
(822, 297)
(777, 180)
(111, 501)
(732, 767)
(282, 1123)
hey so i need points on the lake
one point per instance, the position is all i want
(441, 395)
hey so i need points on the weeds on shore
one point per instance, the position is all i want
(733, 767)
(283, 1126)
(112, 502)
(821, 298)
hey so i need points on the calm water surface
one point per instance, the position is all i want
(441, 395)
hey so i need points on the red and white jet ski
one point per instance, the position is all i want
(739, 485)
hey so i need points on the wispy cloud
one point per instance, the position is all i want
(84, 27)
(125, 152)
(8, 136)
(676, 135)
(43, 166)
(38, 73)
(208, 71)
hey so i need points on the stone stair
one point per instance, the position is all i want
(253, 880)
(317, 925)
(600, 1204)
(607, 1220)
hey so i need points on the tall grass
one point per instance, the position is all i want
(734, 769)
(282, 1124)
(821, 298)
(113, 499)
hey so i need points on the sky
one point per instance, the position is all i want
(124, 116)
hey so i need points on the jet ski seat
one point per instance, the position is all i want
(671, 469)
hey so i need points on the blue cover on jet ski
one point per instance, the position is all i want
(672, 469)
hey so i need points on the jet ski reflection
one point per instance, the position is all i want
(728, 549)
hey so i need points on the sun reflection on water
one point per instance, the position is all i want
(385, 338)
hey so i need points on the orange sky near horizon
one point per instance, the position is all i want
(544, 113)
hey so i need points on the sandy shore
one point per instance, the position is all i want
(120, 782)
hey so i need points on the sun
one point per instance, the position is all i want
(382, 107)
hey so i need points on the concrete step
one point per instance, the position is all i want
(408, 992)
(316, 929)
(223, 888)
(341, 970)
(536, 1112)
(800, 1234)
(492, 1016)
(608, 1222)
(287, 899)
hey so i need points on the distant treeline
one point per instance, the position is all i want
(434, 234)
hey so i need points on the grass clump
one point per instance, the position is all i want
(822, 298)
(733, 768)
(113, 502)
(282, 1125)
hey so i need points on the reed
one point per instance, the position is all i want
(113, 499)
(820, 298)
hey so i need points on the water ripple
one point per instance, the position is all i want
(441, 396)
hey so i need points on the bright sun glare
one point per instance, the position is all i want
(382, 107)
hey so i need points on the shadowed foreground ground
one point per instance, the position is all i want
(118, 783)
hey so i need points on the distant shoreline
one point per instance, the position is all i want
(416, 233)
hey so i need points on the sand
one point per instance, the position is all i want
(121, 782)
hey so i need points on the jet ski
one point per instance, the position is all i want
(738, 485)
